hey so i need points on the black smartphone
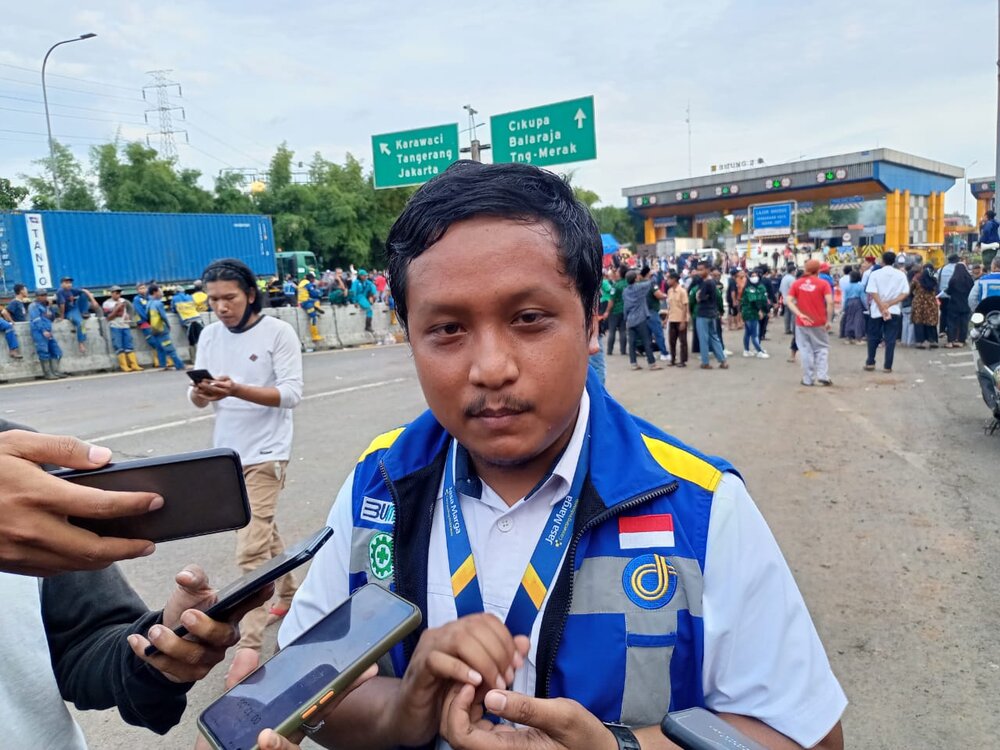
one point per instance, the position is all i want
(198, 375)
(699, 729)
(203, 493)
(237, 592)
(290, 687)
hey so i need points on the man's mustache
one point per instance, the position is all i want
(503, 403)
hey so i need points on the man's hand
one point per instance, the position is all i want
(245, 662)
(217, 389)
(35, 537)
(477, 650)
(190, 658)
(547, 724)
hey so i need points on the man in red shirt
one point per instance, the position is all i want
(811, 301)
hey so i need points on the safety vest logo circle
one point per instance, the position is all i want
(380, 555)
(649, 581)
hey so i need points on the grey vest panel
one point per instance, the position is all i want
(598, 589)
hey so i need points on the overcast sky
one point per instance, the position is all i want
(765, 78)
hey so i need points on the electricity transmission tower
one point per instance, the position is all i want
(163, 86)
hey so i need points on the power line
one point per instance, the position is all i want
(210, 156)
(67, 106)
(70, 78)
(224, 143)
(75, 117)
(75, 91)
(68, 137)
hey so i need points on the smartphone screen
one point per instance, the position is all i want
(285, 684)
(203, 492)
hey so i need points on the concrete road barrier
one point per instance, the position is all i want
(340, 327)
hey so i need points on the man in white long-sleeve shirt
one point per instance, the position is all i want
(255, 361)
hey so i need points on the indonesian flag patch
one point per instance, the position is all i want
(644, 532)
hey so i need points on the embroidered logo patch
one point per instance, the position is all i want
(378, 511)
(380, 555)
(253, 357)
(649, 581)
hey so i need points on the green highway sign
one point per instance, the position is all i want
(551, 134)
(412, 157)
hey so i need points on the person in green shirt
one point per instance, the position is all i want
(754, 306)
(616, 319)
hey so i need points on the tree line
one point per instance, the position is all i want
(335, 213)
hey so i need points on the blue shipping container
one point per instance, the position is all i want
(98, 249)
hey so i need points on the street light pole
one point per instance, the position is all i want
(965, 193)
(48, 121)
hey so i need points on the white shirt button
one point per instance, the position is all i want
(505, 524)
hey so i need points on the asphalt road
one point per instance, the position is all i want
(881, 491)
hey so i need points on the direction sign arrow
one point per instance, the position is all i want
(384, 148)
(579, 117)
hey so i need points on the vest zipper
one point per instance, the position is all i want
(571, 561)
(407, 650)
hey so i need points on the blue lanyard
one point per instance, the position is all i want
(544, 563)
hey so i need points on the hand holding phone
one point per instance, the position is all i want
(190, 659)
(228, 600)
(198, 375)
(203, 493)
(35, 537)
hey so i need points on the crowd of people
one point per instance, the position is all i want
(146, 312)
(879, 303)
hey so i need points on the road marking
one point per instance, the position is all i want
(969, 377)
(956, 354)
(202, 418)
(962, 364)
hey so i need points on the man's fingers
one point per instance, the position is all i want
(271, 740)
(442, 666)
(552, 716)
(81, 549)
(75, 500)
(61, 450)
(245, 661)
(204, 628)
(192, 579)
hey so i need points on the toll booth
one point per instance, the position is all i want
(897, 199)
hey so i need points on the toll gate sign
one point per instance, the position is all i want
(772, 219)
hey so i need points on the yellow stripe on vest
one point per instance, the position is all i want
(683, 465)
(534, 586)
(381, 442)
(465, 573)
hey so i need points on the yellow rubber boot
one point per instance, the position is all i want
(133, 362)
(314, 332)
(123, 362)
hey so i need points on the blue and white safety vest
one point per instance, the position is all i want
(622, 630)
(986, 286)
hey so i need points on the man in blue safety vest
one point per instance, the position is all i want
(579, 571)
(987, 285)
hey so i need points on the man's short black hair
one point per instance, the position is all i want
(674, 275)
(467, 190)
(888, 258)
(991, 214)
(704, 264)
(631, 276)
(18, 288)
(232, 269)
(953, 258)
(153, 288)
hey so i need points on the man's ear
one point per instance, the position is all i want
(594, 346)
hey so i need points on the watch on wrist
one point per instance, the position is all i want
(626, 739)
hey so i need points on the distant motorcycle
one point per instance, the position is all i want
(985, 336)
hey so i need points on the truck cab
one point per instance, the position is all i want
(295, 262)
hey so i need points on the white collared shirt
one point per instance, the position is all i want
(762, 658)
